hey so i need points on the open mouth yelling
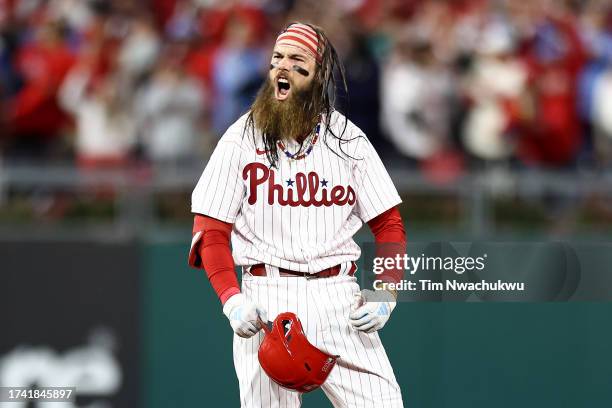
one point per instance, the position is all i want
(283, 88)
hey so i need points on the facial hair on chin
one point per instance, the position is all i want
(292, 118)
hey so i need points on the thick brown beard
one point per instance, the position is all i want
(293, 118)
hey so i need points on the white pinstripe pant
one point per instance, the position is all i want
(363, 376)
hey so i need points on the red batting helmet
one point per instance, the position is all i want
(289, 359)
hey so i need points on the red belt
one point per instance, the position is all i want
(260, 270)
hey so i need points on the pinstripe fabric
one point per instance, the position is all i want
(363, 376)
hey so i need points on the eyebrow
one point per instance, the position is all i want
(290, 55)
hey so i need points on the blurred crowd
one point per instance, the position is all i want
(435, 84)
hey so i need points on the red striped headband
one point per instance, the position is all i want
(301, 36)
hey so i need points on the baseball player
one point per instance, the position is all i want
(291, 182)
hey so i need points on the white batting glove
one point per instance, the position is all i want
(371, 310)
(242, 314)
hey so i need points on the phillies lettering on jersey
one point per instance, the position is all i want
(302, 214)
(304, 193)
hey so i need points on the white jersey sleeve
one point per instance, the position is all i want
(220, 190)
(374, 187)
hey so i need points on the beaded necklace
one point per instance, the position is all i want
(295, 156)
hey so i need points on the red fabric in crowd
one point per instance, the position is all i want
(553, 136)
(35, 109)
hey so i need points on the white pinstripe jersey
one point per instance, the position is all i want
(302, 215)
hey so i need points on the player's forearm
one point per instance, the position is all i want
(219, 266)
(390, 238)
(210, 249)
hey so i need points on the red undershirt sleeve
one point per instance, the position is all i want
(210, 250)
(390, 239)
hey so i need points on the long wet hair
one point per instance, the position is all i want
(329, 75)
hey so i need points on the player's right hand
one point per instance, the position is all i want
(242, 314)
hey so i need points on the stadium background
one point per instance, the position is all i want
(493, 118)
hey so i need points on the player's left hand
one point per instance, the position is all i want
(371, 310)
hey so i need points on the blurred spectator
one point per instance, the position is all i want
(9, 77)
(105, 124)
(140, 48)
(596, 82)
(415, 92)
(362, 76)
(77, 14)
(34, 114)
(170, 109)
(199, 62)
(238, 69)
(183, 23)
(494, 88)
(602, 118)
(554, 57)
